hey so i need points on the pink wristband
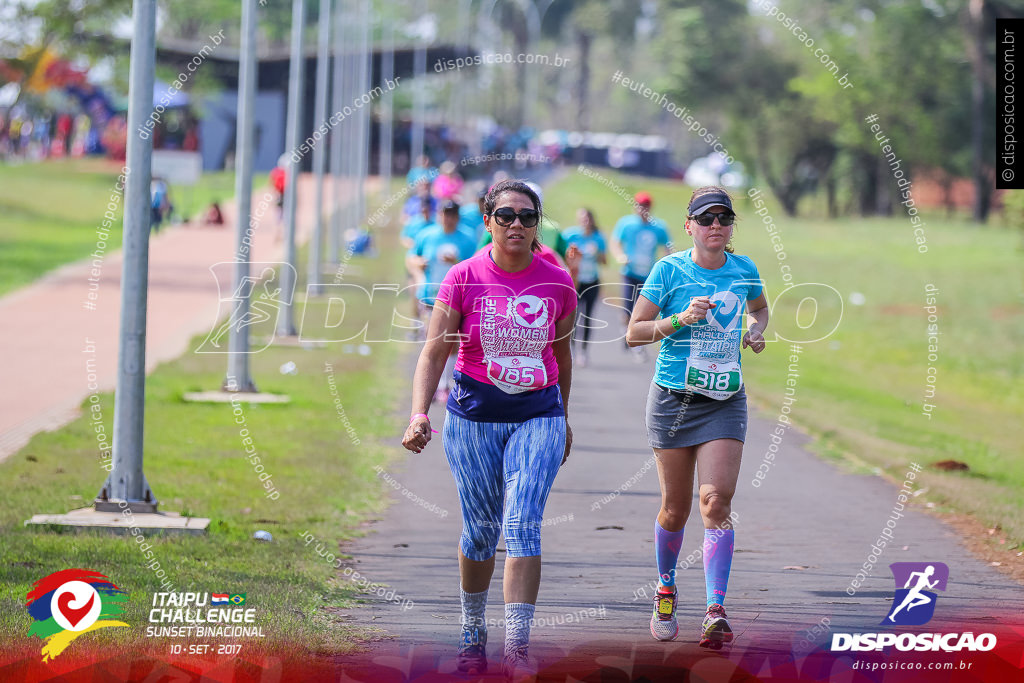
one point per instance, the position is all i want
(411, 419)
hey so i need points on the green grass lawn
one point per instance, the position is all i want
(861, 390)
(321, 458)
(52, 211)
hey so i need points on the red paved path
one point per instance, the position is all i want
(46, 325)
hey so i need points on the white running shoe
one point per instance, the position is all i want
(715, 631)
(516, 666)
(663, 622)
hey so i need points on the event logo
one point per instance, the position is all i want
(914, 603)
(71, 602)
(724, 317)
(529, 311)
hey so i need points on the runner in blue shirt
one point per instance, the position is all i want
(418, 223)
(585, 254)
(436, 250)
(697, 406)
(421, 192)
(635, 241)
(472, 215)
(422, 170)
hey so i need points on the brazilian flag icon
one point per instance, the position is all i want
(237, 598)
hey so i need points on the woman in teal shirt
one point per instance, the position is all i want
(585, 253)
(697, 409)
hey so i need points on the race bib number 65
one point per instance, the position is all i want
(714, 379)
(516, 374)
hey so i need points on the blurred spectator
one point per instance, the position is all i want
(448, 183)
(471, 215)
(421, 170)
(415, 225)
(213, 215)
(414, 204)
(160, 203)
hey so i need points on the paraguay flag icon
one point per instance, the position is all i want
(218, 598)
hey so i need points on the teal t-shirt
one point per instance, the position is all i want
(590, 246)
(434, 245)
(640, 242)
(415, 226)
(705, 356)
(472, 219)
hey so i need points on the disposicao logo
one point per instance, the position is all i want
(914, 605)
(71, 602)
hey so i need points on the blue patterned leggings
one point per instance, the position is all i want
(504, 472)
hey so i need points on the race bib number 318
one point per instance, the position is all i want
(715, 380)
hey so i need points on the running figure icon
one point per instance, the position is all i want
(256, 299)
(915, 597)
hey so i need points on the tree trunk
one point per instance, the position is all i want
(583, 42)
(830, 194)
(976, 50)
(947, 194)
(868, 187)
(883, 190)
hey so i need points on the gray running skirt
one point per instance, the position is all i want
(676, 419)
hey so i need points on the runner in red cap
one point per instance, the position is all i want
(635, 241)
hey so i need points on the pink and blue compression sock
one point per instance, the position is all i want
(666, 550)
(718, 545)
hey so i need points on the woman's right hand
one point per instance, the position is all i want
(697, 310)
(417, 434)
(573, 255)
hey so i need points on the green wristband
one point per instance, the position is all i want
(675, 321)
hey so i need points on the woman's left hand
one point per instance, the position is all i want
(754, 340)
(417, 434)
(568, 442)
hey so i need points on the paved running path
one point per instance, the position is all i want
(806, 514)
(46, 324)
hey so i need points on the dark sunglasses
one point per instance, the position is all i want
(707, 218)
(506, 217)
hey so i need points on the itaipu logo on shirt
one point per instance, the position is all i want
(725, 316)
(528, 311)
(513, 336)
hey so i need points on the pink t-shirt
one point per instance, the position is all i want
(508, 320)
(446, 187)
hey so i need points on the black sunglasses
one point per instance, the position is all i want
(707, 218)
(506, 217)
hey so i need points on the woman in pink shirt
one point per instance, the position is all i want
(448, 184)
(506, 434)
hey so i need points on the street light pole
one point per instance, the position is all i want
(387, 68)
(323, 67)
(238, 378)
(334, 229)
(365, 69)
(419, 91)
(285, 319)
(126, 484)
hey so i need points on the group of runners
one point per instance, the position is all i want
(501, 324)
